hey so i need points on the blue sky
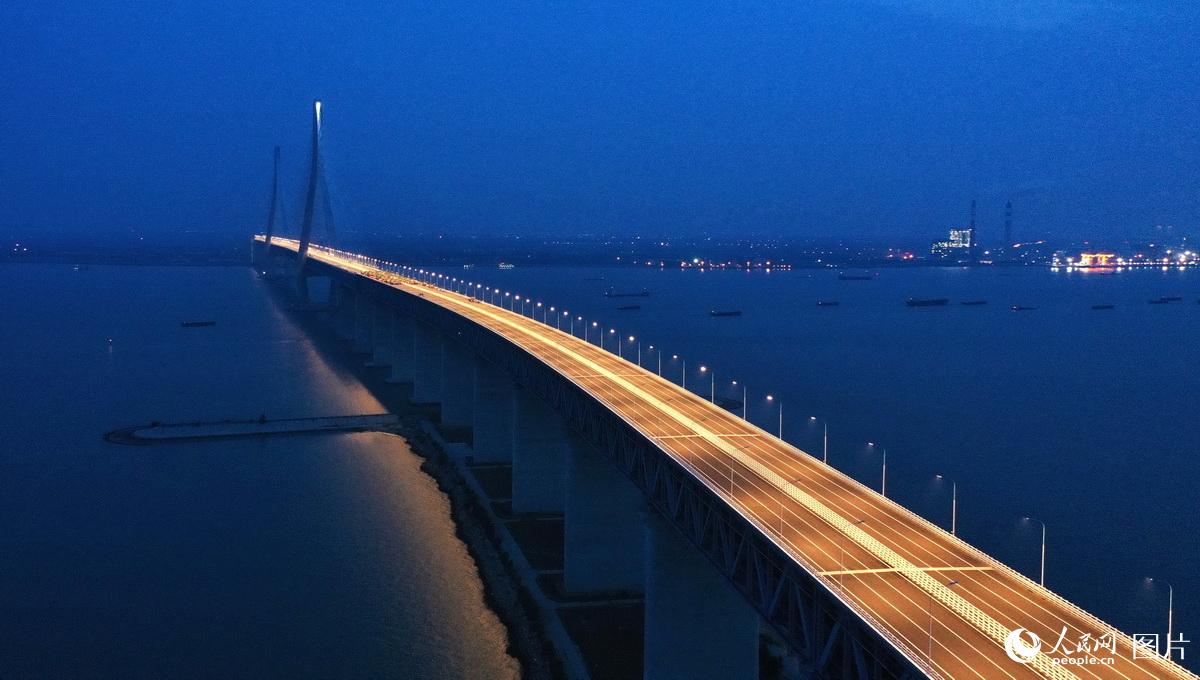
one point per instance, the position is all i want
(875, 119)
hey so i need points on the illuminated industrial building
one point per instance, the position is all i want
(958, 247)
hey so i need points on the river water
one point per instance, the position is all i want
(335, 556)
(1087, 420)
(304, 556)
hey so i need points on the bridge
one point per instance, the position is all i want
(745, 528)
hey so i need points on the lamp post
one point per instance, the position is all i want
(683, 372)
(1042, 580)
(712, 388)
(883, 484)
(780, 402)
(929, 652)
(613, 331)
(1170, 613)
(744, 414)
(639, 350)
(953, 506)
(825, 439)
(658, 354)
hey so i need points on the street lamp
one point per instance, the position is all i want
(639, 350)
(658, 353)
(825, 439)
(883, 485)
(953, 506)
(712, 388)
(1170, 613)
(780, 401)
(683, 372)
(1043, 577)
(949, 584)
(744, 415)
(611, 331)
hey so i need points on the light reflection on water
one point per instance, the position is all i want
(290, 557)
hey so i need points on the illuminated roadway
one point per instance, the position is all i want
(888, 565)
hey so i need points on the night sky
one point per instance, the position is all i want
(865, 119)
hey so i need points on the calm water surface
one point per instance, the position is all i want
(335, 556)
(1087, 420)
(308, 556)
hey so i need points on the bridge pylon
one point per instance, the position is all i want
(316, 183)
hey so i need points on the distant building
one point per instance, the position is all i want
(958, 247)
(1096, 260)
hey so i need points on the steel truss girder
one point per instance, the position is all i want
(831, 641)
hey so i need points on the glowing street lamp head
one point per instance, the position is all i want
(631, 338)
(770, 397)
(703, 369)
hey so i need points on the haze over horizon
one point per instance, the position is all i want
(871, 119)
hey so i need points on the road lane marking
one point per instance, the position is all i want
(893, 570)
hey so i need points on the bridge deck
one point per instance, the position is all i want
(889, 565)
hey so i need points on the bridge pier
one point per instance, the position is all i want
(458, 384)
(381, 335)
(604, 531)
(343, 311)
(492, 414)
(361, 342)
(427, 373)
(403, 349)
(541, 444)
(696, 625)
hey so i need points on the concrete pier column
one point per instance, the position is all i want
(343, 312)
(403, 348)
(361, 342)
(604, 527)
(381, 335)
(427, 367)
(492, 414)
(541, 443)
(696, 625)
(458, 384)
